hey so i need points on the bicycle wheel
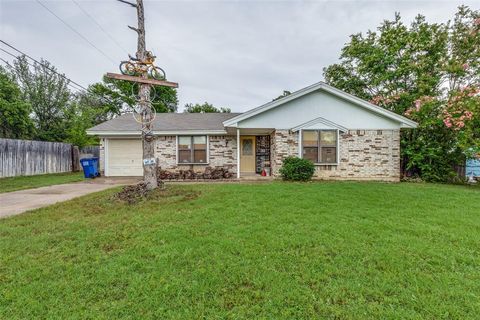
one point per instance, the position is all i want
(156, 73)
(127, 68)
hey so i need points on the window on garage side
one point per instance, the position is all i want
(192, 149)
(320, 146)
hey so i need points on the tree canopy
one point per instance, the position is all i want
(120, 95)
(48, 95)
(428, 72)
(36, 103)
(14, 110)
(204, 108)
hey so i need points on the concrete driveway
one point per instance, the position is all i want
(12, 203)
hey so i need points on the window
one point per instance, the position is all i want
(320, 146)
(247, 147)
(192, 149)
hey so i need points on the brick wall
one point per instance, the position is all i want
(166, 152)
(363, 155)
(222, 153)
(284, 144)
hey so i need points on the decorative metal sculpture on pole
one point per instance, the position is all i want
(142, 70)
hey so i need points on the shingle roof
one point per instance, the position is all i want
(168, 122)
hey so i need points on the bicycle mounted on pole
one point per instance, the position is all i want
(137, 67)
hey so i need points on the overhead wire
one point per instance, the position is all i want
(32, 65)
(40, 63)
(100, 26)
(76, 32)
(69, 81)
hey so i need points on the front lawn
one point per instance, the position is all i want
(249, 251)
(42, 180)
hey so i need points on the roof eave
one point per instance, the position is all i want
(155, 132)
(404, 122)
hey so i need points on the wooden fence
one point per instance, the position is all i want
(89, 152)
(26, 157)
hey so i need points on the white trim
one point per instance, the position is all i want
(238, 153)
(105, 152)
(176, 150)
(322, 121)
(406, 123)
(113, 133)
(207, 160)
(300, 143)
(337, 147)
(208, 149)
(158, 133)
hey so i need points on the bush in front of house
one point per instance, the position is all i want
(297, 169)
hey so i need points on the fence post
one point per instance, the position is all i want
(75, 159)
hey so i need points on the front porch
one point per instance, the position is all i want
(254, 153)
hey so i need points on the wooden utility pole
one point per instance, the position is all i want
(145, 105)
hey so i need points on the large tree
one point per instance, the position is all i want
(88, 109)
(204, 108)
(428, 72)
(48, 95)
(14, 111)
(121, 96)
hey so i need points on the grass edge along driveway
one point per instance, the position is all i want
(340, 250)
(43, 180)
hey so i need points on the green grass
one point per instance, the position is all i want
(238, 251)
(43, 180)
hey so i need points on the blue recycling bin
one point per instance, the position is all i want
(90, 167)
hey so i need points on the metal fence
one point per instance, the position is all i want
(26, 157)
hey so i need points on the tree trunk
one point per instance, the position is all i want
(148, 139)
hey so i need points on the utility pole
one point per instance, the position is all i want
(145, 105)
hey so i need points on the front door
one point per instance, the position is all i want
(247, 154)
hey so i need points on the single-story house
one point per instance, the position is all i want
(344, 136)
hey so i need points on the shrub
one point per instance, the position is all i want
(297, 169)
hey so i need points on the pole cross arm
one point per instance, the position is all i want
(154, 82)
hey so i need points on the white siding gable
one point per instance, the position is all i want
(319, 104)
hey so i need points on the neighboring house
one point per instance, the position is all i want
(346, 137)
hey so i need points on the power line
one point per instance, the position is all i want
(52, 70)
(100, 27)
(69, 82)
(74, 30)
(11, 54)
(5, 61)
(40, 63)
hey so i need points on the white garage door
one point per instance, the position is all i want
(124, 158)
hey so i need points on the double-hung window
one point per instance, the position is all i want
(192, 149)
(320, 146)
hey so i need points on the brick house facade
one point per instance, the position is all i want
(346, 138)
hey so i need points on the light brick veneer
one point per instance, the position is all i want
(283, 144)
(222, 153)
(363, 155)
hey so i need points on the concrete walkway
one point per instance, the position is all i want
(12, 203)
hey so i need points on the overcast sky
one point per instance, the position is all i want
(238, 54)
